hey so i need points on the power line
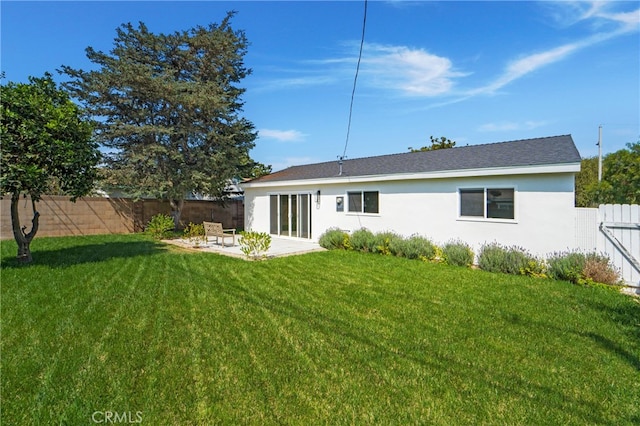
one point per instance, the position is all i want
(355, 79)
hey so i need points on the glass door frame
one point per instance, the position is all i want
(293, 219)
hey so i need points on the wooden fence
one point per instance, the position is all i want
(613, 229)
(93, 215)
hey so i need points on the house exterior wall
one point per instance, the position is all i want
(544, 210)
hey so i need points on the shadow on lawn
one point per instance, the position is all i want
(384, 351)
(87, 253)
(611, 346)
(627, 316)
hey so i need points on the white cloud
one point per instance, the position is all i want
(295, 82)
(526, 65)
(630, 20)
(408, 71)
(414, 72)
(282, 135)
(507, 126)
(599, 13)
(572, 12)
(567, 13)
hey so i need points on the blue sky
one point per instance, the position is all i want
(475, 72)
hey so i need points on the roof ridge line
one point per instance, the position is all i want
(417, 152)
(480, 145)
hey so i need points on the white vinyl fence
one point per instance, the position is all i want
(613, 229)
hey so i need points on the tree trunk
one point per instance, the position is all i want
(22, 238)
(176, 211)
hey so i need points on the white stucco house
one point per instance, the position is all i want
(514, 193)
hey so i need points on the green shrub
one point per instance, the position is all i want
(509, 260)
(387, 243)
(457, 253)
(255, 245)
(521, 262)
(194, 233)
(492, 258)
(334, 238)
(160, 226)
(415, 247)
(566, 266)
(363, 240)
(534, 268)
(581, 268)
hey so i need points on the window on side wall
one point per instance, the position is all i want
(488, 203)
(363, 201)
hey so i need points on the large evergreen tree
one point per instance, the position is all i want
(169, 110)
(43, 140)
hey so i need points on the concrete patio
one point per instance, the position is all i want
(279, 247)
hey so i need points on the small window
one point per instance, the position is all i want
(472, 202)
(371, 202)
(490, 203)
(363, 202)
(355, 201)
(500, 203)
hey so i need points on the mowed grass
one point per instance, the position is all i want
(124, 324)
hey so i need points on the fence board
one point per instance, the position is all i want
(587, 229)
(623, 222)
(93, 215)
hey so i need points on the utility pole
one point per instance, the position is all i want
(600, 153)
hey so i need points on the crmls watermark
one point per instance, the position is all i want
(115, 417)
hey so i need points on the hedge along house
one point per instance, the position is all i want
(514, 193)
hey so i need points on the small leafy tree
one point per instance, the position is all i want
(195, 234)
(442, 143)
(255, 245)
(159, 226)
(620, 179)
(622, 172)
(44, 140)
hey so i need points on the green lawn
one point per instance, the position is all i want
(127, 325)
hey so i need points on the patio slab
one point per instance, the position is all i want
(279, 247)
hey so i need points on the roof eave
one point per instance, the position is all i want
(490, 171)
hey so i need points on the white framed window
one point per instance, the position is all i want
(487, 203)
(363, 201)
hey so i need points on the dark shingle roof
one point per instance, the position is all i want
(527, 152)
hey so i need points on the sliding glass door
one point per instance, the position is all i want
(290, 215)
(304, 216)
(273, 218)
(284, 215)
